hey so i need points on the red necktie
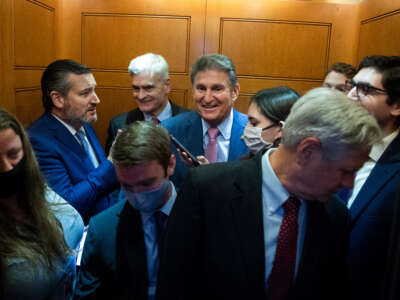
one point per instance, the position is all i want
(155, 120)
(212, 146)
(282, 274)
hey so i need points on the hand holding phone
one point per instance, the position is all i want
(182, 149)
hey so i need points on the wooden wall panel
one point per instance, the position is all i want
(34, 33)
(252, 44)
(7, 97)
(34, 48)
(110, 41)
(380, 35)
(28, 104)
(274, 43)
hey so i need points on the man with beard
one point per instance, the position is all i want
(66, 145)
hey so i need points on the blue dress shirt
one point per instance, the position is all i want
(150, 240)
(273, 197)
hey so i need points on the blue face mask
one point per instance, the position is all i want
(151, 200)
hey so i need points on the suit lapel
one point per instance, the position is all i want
(383, 171)
(94, 142)
(312, 243)
(236, 146)
(193, 137)
(174, 108)
(131, 253)
(64, 136)
(248, 220)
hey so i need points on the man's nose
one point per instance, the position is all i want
(353, 95)
(208, 96)
(95, 98)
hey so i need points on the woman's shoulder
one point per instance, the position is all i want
(68, 216)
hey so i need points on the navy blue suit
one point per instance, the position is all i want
(372, 214)
(187, 128)
(114, 264)
(68, 168)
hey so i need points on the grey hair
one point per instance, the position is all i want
(217, 62)
(151, 63)
(339, 123)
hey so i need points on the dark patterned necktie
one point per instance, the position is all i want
(282, 274)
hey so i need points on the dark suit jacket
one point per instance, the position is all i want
(372, 215)
(214, 247)
(68, 168)
(124, 119)
(188, 130)
(114, 263)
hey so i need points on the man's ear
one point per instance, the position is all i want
(235, 92)
(58, 99)
(171, 165)
(167, 83)
(308, 149)
(395, 109)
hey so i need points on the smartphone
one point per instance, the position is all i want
(183, 149)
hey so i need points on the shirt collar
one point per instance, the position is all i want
(166, 208)
(71, 129)
(165, 114)
(225, 127)
(380, 147)
(274, 194)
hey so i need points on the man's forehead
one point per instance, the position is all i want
(369, 75)
(146, 78)
(81, 81)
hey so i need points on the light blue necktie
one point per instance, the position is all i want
(80, 134)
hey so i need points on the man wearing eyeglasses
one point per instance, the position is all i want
(376, 86)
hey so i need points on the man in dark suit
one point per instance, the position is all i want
(151, 85)
(215, 89)
(268, 227)
(66, 145)
(376, 86)
(120, 257)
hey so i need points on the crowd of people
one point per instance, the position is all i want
(297, 199)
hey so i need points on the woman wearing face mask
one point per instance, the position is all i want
(37, 227)
(267, 112)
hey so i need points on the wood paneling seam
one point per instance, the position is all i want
(376, 18)
(52, 9)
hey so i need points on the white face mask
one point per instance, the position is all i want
(151, 200)
(253, 139)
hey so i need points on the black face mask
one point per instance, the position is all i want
(11, 181)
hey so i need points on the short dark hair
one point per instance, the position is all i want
(217, 62)
(55, 78)
(342, 68)
(142, 142)
(388, 66)
(275, 103)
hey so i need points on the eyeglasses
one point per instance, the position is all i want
(364, 89)
(268, 127)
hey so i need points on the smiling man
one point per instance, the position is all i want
(66, 145)
(268, 227)
(150, 85)
(215, 128)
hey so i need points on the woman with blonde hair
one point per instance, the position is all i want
(38, 229)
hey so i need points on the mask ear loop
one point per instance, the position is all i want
(277, 141)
